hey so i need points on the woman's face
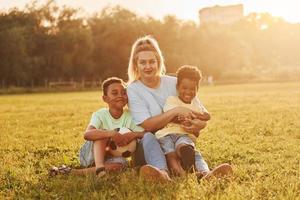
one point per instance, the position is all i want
(147, 64)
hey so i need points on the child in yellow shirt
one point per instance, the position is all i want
(175, 139)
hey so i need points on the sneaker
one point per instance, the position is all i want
(187, 157)
(220, 171)
(62, 170)
(152, 173)
(100, 172)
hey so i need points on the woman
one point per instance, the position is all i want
(147, 92)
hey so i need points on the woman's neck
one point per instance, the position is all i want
(153, 82)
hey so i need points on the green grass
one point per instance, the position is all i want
(254, 127)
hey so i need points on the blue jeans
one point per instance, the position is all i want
(148, 151)
(86, 156)
(169, 143)
(201, 165)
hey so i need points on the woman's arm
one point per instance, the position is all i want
(157, 122)
(142, 115)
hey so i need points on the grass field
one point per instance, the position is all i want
(254, 127)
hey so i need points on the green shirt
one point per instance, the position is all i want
(102, 119)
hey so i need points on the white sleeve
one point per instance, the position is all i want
(95, 121)
(170, 103)
(137, 106)
(200, 105)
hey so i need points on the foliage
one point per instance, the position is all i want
(50, 43)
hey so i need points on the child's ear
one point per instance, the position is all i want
(104, 97)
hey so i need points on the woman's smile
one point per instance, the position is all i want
(147, 64)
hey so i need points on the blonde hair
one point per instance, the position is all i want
(146, 43)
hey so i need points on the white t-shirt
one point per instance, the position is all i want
(173, 128)
(145, 102)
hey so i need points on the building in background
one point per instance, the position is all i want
(221, 14)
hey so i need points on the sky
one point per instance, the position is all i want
(183, 9)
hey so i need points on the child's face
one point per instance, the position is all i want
(116, 97)
(187, 90)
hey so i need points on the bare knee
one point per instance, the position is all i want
(180, 146)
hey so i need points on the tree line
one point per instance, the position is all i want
(52, 43)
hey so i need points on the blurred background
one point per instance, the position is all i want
(77, 44)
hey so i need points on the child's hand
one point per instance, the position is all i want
(184, 120)
(199, 123)
(119, 139)
(195, 127)
(130, 136)
(191, 129)
(140, 135)
(126, 138)
(202, 116)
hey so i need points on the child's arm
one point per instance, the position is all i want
(137, 132)
(132, 136)
(93, 134)
(194, 127)
(205, 116)
(160, 121)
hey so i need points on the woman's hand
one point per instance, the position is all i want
(195, 127)
(202, 116)
(184, 120)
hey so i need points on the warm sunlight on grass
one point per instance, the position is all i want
(254, 127)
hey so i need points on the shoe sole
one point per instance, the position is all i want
(151, 173)
(187, 154)
(220, 171)
(100, 172)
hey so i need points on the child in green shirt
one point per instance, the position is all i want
(102, 128)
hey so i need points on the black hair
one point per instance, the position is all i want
(107, 82)
(188, 72)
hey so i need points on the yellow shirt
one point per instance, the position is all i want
(173, 128)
